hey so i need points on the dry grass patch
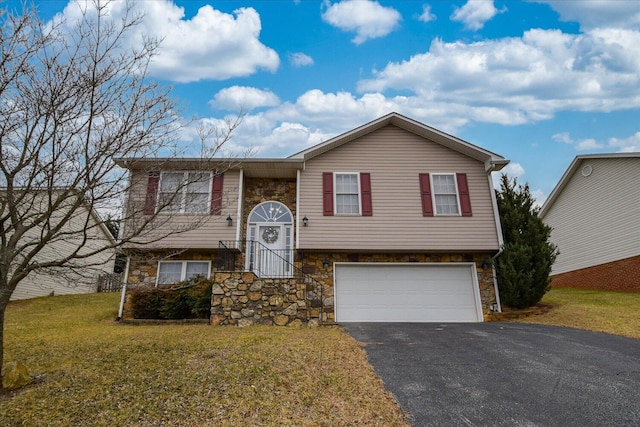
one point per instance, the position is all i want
(96, 372)
(602, 311)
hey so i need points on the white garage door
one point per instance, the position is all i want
(424, 292)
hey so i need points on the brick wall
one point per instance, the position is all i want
(621, 275)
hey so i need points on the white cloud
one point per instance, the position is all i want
(244, 98)
(299, 59)
(580, 145)
(520, 80)
(587, 144)
(426, 15)
(539, 196)
(598, 13)
(562, 137)
(475, 13)
(211, 45)
(627, 145)
(513, 170)
(368, 19)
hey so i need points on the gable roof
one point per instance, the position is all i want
(575, 165)
(492, 161)
(287, 167)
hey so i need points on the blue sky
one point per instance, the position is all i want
(537, 82)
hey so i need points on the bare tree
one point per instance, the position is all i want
(74, 96)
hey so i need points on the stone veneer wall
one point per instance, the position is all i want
(143, 267)
(622, 275)
(312, 264)
(242, 299)
(258, 190)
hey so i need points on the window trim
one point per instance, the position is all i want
(183, 202)
(433, 193)
(183, 271)
(335, 194)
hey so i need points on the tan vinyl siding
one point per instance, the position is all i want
(395, 158)
(82, 277)
(198, 231)
(596, 219)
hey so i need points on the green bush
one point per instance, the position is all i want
(524, 266)
(185, 300)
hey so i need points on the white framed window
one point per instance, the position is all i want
(347, 193)
(445, 194)
(177, 271)
(185, 192)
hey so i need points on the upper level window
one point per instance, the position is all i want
(185, 192)
(445, 194)
(347, 193)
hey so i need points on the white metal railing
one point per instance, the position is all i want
(265, 262)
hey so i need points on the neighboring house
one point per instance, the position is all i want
(595, 214)
(395, 220)
(86, 228)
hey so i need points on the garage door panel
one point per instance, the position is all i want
(370, 292)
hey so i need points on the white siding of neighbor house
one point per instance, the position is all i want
(201, 231)
(596, 219)
(80, 279)
(395, 158)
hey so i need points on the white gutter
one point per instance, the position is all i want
(124, 289)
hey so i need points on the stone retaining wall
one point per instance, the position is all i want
(242, 299)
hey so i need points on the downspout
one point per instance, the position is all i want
(124, 289)
(496, 214)
(498, 308)
(239, 221)
(297, 209)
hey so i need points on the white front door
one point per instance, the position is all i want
(271, 253)
(270, 240)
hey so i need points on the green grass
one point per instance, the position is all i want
(93, 371)
(603, 311)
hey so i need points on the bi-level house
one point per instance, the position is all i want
(393, 220)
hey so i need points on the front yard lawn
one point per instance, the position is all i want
(602, 311)
(93, 371)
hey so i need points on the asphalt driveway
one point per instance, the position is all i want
(505, 374)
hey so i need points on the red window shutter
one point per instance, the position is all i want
(327, 194)
(425, 195)
(365, 188)
(463, 191)
(152, 193)
(216, 194)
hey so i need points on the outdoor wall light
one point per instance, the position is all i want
(486, 265)
(305, 221)
(325, 264)
(229, 221)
